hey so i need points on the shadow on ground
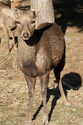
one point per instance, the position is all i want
(73, 79)
(70, 13)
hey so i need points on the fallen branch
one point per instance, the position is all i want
(5, 61)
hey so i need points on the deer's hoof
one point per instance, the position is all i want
(28, 123)
(8, 53)
(45, 123)
(15, 49)
(67, 104)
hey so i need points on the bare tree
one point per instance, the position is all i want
(46, 13)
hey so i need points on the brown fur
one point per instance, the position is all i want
(15, 4)
(8, 23)
(39, 51)
(37, 56)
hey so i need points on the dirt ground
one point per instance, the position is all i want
(14, 92)
(14, 96)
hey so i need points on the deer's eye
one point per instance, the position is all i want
(12, 1)
(33, 22)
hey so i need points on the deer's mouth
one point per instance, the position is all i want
(25, 38)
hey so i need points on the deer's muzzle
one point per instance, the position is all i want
(25, 36)
(16, 8)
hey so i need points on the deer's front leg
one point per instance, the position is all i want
(44, 84)
(14, 44)
(6, 31)
(31, 86)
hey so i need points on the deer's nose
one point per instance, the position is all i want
(16, 8)
(25, 35)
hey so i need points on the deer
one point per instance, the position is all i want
(7, 23)
(39, 51)
(15, 4)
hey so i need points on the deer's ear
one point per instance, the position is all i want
(7, 12)
(37, 9)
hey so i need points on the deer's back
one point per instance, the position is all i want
(53, 39)
(2, 5)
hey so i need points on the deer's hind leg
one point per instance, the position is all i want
(14, 43)
(58, 79)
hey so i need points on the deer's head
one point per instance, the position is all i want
(25, 21)
(15, 4)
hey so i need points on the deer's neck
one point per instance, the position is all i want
(27, 50)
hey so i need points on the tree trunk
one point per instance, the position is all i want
(46, 14)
